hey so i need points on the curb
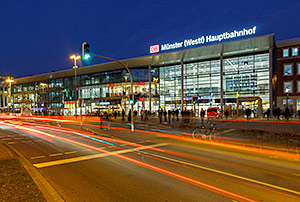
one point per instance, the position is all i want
(50, 194)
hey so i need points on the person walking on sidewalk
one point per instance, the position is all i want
(129, 115)
(169, 115)
(226, 113)
(146, 114)
(123, 115)
(248, 113)
(177, 113)
(142, 115)
(268, 114)
(202, 114)
(287, 113)
(115, 114)
(160, 113)
(173, 115)
(191, 116)
(165, 115)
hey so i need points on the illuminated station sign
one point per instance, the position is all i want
(203, 40)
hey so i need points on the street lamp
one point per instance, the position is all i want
(9, 81)
(75, 58)
(287, 97)
(43, 92)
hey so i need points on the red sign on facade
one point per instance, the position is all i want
(69, 102)
(111, 85)
(154, 48)
(141, 83)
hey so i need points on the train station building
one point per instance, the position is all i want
(232, 76)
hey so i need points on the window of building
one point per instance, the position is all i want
(287, 87)
(298, 86)
(285, 52)
(287, 70)
(295, 51)
(290, 102)
(298, 68)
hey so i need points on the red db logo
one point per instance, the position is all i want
(154, 49)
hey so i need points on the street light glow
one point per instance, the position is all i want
(10, 80)
(75, 57)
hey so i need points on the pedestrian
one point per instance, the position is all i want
(115, 114)
(248, 113)
(191, 116)
(135, 114)
(188, 116)
(123, 115)
(177, 113)
(299, 114)
(183, 116)
(268, 113)
(107, 120)
(277, 112)
(287, 113)
(129, 115)
(160, 115)
(101, 117)
(146, 115)
(142, 115)
(169, 115)
(173, 115)
(202, 114)
(226, 113)
(165, 115)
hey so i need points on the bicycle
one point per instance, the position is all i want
(207, 133)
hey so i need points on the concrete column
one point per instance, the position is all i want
(149, 69)
(182, 103)
(221, 80)
(3, 96)
(270, 79)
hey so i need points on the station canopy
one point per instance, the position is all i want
(238, 47)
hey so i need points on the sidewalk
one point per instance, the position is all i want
(280, 135)
(15, 183)
(292, 126)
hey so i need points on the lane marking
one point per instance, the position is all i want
(57, 154)
(82, 158)
(297, 174)
(92, 138)
(71, 152)
(227, 174)
(229, 130)
(12, 142)
(37, 157)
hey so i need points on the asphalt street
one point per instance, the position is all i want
(116, 165)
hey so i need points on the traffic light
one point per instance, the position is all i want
(85, 51)
(194, 100)
(131, 101)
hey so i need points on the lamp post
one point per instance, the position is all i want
(43, 92)
(287, 97)
(75, 58)
(131, 82)
(9, 81)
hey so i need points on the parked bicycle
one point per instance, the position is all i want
(207, 133)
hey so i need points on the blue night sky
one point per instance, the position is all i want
(39, 36)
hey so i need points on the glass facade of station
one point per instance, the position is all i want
(103, 88)
(244, 76)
